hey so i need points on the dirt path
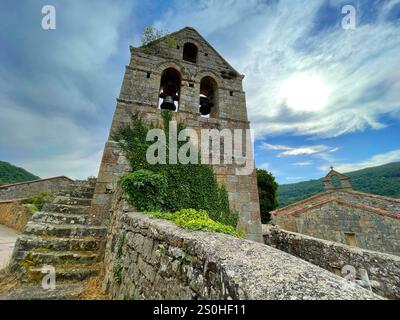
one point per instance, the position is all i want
(7, 240)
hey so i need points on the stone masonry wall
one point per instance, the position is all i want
(154, 259)
(140, 94)
(26, 189)
(383, 269)
(14, 215)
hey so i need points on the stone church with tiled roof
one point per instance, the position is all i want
(343, 215)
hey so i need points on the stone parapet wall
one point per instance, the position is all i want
(154, 259)
(29, 188)
(14, 215)
(383, 269)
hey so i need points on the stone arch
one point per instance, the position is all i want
(170, 89)
(204, 73)
(209, 92)
(197, 43)
(185, 74)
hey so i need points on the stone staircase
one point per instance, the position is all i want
(63, 235)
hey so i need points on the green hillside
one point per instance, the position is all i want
(383, 180)
(13, 174)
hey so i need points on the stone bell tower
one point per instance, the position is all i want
(183, 73)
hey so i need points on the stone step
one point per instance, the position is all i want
(62, 218)
(78, 191)
(64, 208)
(40, 257)
(64, 230)
(64, 273)
(30, 242)
(63, 291)
(72, 201)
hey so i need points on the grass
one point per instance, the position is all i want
(8, 280)
(93, 289)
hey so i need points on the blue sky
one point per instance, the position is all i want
(317, 95)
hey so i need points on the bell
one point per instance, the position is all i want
(168, 103)
(205, 106)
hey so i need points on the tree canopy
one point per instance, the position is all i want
(268, 194)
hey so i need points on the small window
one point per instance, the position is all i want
(351, 239)
(148, 75)
(191, 85)
(206, 54)
(178, 47)
(170, 88)
(190, 52)
(231, 93)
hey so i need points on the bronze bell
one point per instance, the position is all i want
(168, 104)
(205, 106)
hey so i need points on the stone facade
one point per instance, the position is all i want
(359, 219)
(14, 215)
(140, 94)
(25, 189)
(383, 270)
(154, 259)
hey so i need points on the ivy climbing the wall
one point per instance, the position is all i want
(179, 186)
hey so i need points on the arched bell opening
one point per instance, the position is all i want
(190, 52)
(170, 89)
(208, 102)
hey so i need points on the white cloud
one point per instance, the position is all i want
(376, 160)
(302, 164)
(295, 178)
(297, 151)
(273, 41)
(265, 166)
(56, 98)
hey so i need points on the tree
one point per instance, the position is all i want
(268, 194)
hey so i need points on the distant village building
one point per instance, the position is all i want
(343, 215)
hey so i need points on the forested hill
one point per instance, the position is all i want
(12, 174)
(383, 180)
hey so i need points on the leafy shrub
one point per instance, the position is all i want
(196, 220)
(188, 185)
(32, 208)
(39, 200)
(145, 189)
(268, 194)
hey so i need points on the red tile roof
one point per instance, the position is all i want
(340, 202)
